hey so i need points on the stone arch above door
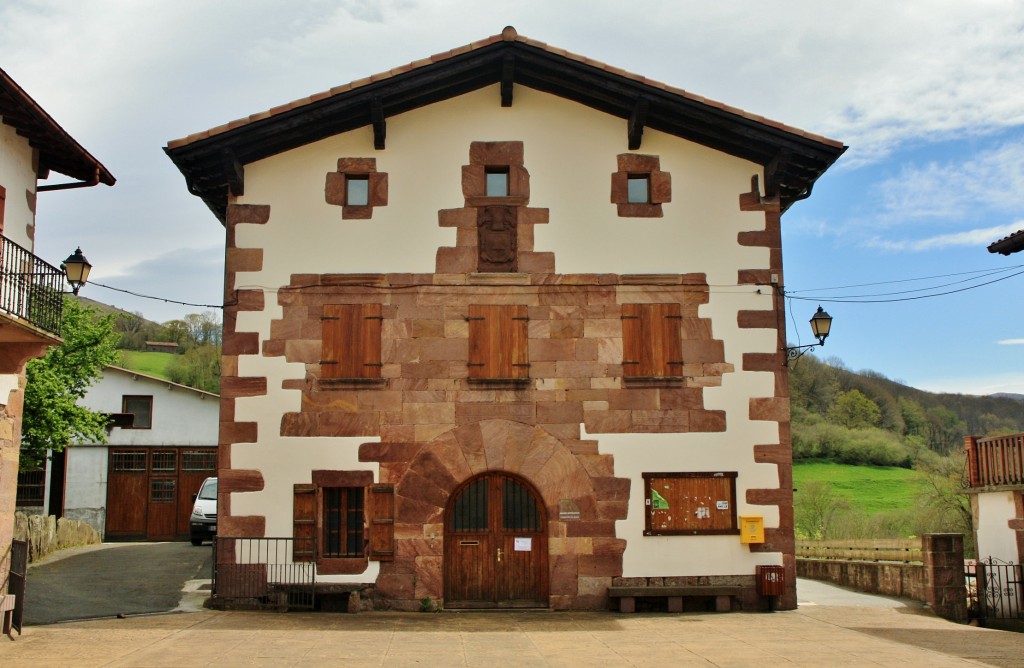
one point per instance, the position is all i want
(568, 473)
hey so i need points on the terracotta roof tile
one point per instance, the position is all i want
(504, 36)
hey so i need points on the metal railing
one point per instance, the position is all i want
(30, 288)
(260, 572)
(995, 589)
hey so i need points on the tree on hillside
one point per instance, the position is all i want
(198, 367)
(816, 508)
(52, 419)
(855, 410)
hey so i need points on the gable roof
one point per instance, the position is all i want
(1009, 244)
(212, 161)
(203, 394)
(58, 151)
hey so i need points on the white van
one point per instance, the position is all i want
(203, 523)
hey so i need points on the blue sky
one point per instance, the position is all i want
(929, 95)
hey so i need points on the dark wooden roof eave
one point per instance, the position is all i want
(58, 150)
(1008, 245)
(799, 159)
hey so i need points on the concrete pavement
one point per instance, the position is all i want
(112, 579)
(814, 635)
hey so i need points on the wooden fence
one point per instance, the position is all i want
(878, 549)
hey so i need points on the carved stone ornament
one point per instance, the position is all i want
(496, 232)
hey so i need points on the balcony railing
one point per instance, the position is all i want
(30, 288)
(998, 460)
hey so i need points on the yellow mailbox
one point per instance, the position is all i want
(751, 529)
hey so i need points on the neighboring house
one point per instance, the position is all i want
(996, 468)
(139, 485)
(162, 347)
(416, 394)
(32, 145)
(996, 475)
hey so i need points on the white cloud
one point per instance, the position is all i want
(992, 180)
(976, 238)
(1011, 342)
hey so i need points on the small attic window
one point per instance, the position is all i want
(357, 190)
(638, 189)
(497, 181)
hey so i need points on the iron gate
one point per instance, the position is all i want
(260, 572)
(16, 584)
(995, 589)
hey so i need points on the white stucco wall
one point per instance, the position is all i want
(570, 153)
(18, 177)
(995, 538)
(181, 416)
(85, 485)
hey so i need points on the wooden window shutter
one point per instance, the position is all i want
(303, 522)
(381, 512)
(351, 341)
(498, 342)
(652, 340)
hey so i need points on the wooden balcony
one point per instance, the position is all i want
(995, 461)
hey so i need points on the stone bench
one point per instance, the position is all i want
(675, 594)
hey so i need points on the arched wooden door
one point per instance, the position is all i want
(495, 545)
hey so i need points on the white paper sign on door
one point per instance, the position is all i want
(523, 544)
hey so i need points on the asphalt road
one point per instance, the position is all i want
(112, 579)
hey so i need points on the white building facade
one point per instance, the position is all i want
(505, 330)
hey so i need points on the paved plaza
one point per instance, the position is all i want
(815, 635)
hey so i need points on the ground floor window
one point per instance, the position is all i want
(343, 522)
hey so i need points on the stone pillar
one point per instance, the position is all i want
(943, 556)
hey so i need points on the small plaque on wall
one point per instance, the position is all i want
(568, 511)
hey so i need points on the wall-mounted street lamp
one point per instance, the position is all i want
(821, 324)
(76, 268)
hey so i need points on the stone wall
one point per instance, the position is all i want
(938, 580)
(46, 534)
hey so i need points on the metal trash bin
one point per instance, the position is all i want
(771, 582)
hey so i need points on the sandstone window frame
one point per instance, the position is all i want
(695, 503)
(635, 166)
(337, 187)
(312, 509)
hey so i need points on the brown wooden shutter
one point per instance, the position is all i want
(666, 347)
(381, 513)
(499, 342)
(303, 522)
(351, 341)
(652, 340)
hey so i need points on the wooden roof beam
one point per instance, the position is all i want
(380, 127)
(508, 73)
(234, 173)
(637, 120)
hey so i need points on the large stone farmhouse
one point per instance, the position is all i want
(503, 327)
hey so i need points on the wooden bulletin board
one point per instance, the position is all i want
(690, 503)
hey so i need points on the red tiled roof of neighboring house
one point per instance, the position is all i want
(58, 151)
(1009, 244)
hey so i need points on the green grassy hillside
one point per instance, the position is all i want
(871, 489)
(151, 364)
